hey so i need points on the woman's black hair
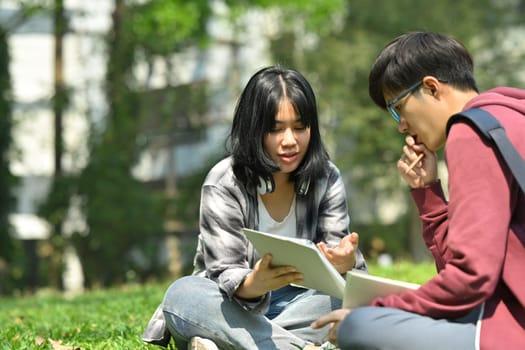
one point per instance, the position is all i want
(412, 56)
(254, 116)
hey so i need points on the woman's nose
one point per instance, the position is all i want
(289, 137)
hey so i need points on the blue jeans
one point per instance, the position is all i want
(383, 328)
(194, 306)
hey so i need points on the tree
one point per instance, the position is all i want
(6, 178)
(121, 212)
(55, 206)
(8, 248)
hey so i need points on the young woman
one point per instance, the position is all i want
(278, 179)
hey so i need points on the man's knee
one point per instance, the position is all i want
(357, 328)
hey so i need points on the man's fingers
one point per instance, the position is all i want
(334, 316)
(324, 320)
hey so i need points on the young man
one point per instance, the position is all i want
(477, 236)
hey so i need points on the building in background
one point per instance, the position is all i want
(171, 153)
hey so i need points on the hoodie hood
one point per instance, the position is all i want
(509, 97)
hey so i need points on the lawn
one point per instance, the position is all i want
(110, 319)
(104, 319)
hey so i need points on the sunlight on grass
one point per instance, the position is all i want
(115, 318)
(405, 271)
(105, 319)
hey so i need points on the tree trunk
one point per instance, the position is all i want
(59, 102)
(60, 93)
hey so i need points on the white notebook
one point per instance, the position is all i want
(319, 273)
(359, 288)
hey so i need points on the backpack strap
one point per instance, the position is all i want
(493, 131)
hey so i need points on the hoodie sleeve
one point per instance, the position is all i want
(433, 212)
(474, 230)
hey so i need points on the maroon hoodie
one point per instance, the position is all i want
(477, 238)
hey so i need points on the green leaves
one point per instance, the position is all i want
(164, 26)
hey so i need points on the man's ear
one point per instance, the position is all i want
(432, 86)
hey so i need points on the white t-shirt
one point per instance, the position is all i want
(287, 227)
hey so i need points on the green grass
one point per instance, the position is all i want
(105, 319)
(111, 319)
(405, 271)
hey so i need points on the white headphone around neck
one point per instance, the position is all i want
(267, 186)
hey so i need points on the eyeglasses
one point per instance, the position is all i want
(390, 105)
